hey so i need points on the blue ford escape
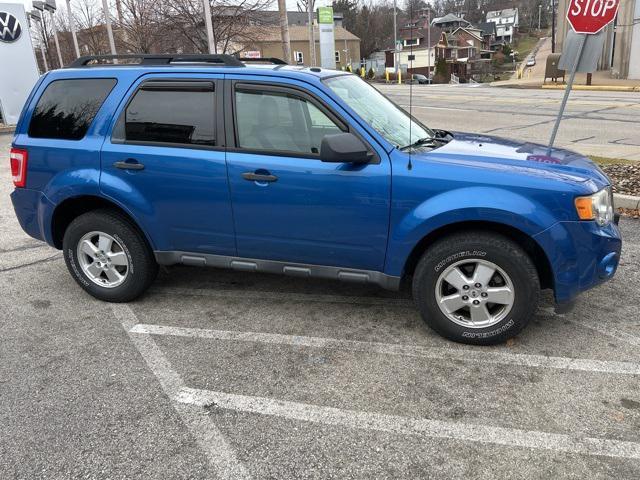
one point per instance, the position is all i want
(207, 160)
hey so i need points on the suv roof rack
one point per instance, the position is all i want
(273, 60)
(153, 59)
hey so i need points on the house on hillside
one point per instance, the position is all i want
(449, 22)
(507, 23)
(464, 50)
(419, 39)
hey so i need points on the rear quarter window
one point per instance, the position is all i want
(67, 107)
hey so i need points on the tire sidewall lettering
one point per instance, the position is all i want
(72, 260)
(457, 256)
(498, 331)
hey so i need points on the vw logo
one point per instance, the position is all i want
(10, 28)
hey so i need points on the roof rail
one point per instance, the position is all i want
(161, 59)
(273, 60)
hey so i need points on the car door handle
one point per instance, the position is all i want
(129, 164)
(259, 177)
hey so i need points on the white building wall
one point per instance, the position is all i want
(18, 68)
(634, 57)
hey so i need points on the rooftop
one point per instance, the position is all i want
(507, 12)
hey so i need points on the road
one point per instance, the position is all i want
(596, 123)
(216, 374)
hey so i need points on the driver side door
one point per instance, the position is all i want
(290, 206)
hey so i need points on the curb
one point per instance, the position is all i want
(7, 128)
(629, 202)
(596, 88)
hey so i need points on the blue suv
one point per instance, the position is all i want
(261, 166)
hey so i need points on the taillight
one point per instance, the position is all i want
(19, 167)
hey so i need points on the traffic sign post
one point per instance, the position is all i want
(586, 17)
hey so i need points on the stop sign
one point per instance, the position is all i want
(591, 16)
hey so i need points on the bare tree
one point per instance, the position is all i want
(234, 22)
(92, 33)
(141, 24)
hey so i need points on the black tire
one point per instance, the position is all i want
(478, 245)
(142, 265)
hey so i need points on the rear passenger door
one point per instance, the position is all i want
(165, 161)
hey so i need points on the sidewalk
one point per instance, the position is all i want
(601, 81)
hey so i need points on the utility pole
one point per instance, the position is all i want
(429, 42)
(312, 40)
(209, 26)
(107, 17)
(50, 6)
(36, 16)
(553, 26)
(395, 38)
(284, 30)
(72, 27)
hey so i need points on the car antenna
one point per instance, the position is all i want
(410, 164)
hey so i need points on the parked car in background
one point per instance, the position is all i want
(207, 161)
(420, 79)
(531, 62)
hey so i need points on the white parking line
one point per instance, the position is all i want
(220, 454)
(481, 356)
(363, 300)
(485, 434)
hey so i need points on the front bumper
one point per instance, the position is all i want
(581, 255)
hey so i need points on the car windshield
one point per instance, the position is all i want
(384, 116)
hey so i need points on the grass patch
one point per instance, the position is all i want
(525, 45)
(610, 161)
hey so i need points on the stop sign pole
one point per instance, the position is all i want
(586, 17)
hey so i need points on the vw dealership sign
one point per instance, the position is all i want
(10, 28)
(18, 67)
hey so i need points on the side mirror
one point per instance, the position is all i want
(344, 148)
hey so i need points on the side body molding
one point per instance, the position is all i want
(270, 266)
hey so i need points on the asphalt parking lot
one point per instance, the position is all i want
(217, 374)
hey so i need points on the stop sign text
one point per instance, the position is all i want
(591, 16)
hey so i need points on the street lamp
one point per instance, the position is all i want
(37, 17)
(50, 6)
(107, 17)
(72, 27)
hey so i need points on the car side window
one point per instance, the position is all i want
(181, 113)
(281, 122)
(67, 107)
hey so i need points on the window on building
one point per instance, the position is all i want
(411, 41)
(170, 112)
(298, 57)
(284, 122)
(337, 56)
(67, 108)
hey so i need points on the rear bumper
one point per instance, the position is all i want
(582, 255)
(32, 207)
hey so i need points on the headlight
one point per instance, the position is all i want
(598, 207)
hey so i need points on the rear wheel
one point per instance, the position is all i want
(108, 256)
(477, 288)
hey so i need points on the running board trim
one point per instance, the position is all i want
(284, 268)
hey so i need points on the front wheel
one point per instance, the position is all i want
(477, 288)
(108, 256)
